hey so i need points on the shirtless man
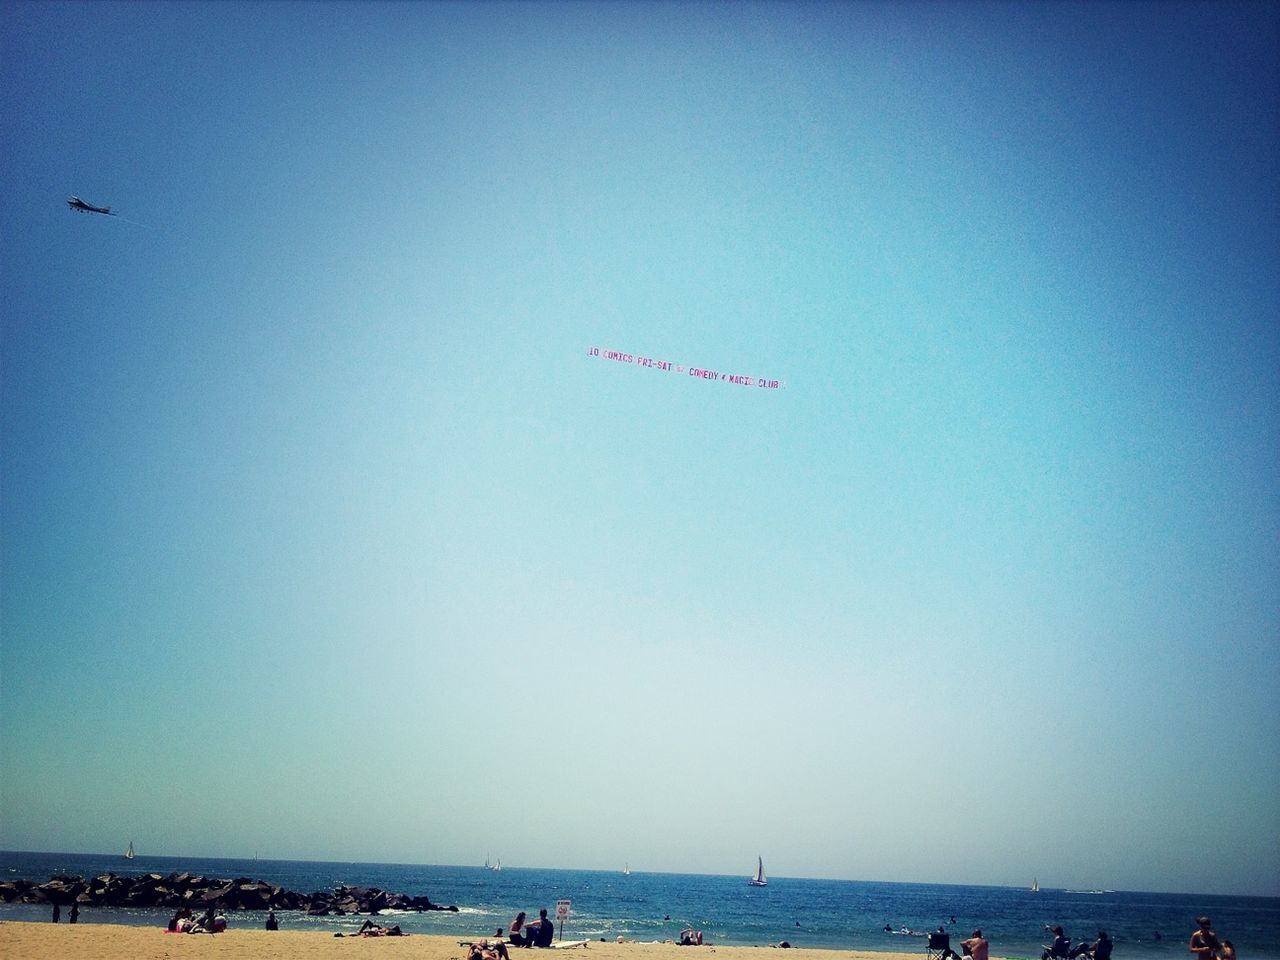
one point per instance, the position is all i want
(975, 946)
(485, 950)
(1204, 942)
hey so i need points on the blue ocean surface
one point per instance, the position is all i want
(833, 914)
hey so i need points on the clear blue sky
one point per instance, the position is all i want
(324, 537)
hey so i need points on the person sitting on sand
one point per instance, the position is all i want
(272, 922)
(205, 923)
(1100, 949)
(976, 947)
(1060, 949)
(209, 922)
(541, 931)
(514, 934)
(690, 937)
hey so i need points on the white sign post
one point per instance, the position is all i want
(562, 913)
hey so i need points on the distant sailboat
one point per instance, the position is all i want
(128, 854)
(626, 869)
(759, 879)
(497, 865)
(1035, 886)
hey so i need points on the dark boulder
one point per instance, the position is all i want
(184, 889)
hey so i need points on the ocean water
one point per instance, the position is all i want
(806, 913)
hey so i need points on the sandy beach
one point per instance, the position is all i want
(100, 941)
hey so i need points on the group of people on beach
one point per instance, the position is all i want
(1061, 948)
(72, 918)
(1204, 944)
(184, 922)
(539, 933)
(535, 933)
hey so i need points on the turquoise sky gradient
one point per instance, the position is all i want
(324, 537)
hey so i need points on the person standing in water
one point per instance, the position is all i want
(1204, 942)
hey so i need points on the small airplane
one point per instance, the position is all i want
(78, 205)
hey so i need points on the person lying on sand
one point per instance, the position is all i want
(488, 950)
(371, 929)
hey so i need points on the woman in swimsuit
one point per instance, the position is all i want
(514, 935)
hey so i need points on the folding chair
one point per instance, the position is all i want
(938, 946)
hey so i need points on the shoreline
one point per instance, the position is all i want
(110, 941)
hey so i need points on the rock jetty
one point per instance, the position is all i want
(200, 893)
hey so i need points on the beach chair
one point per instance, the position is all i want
(938, 946)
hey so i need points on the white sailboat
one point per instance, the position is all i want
(626, 869)
(128, 854)
(759, 879)
(1035, 886)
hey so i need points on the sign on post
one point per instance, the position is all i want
(562, 913)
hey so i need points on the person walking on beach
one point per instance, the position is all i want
(976, 946)
(75, 913)
(1204, 942)
(272, 922)
(57, 913)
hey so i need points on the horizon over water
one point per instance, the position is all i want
(830, 914)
